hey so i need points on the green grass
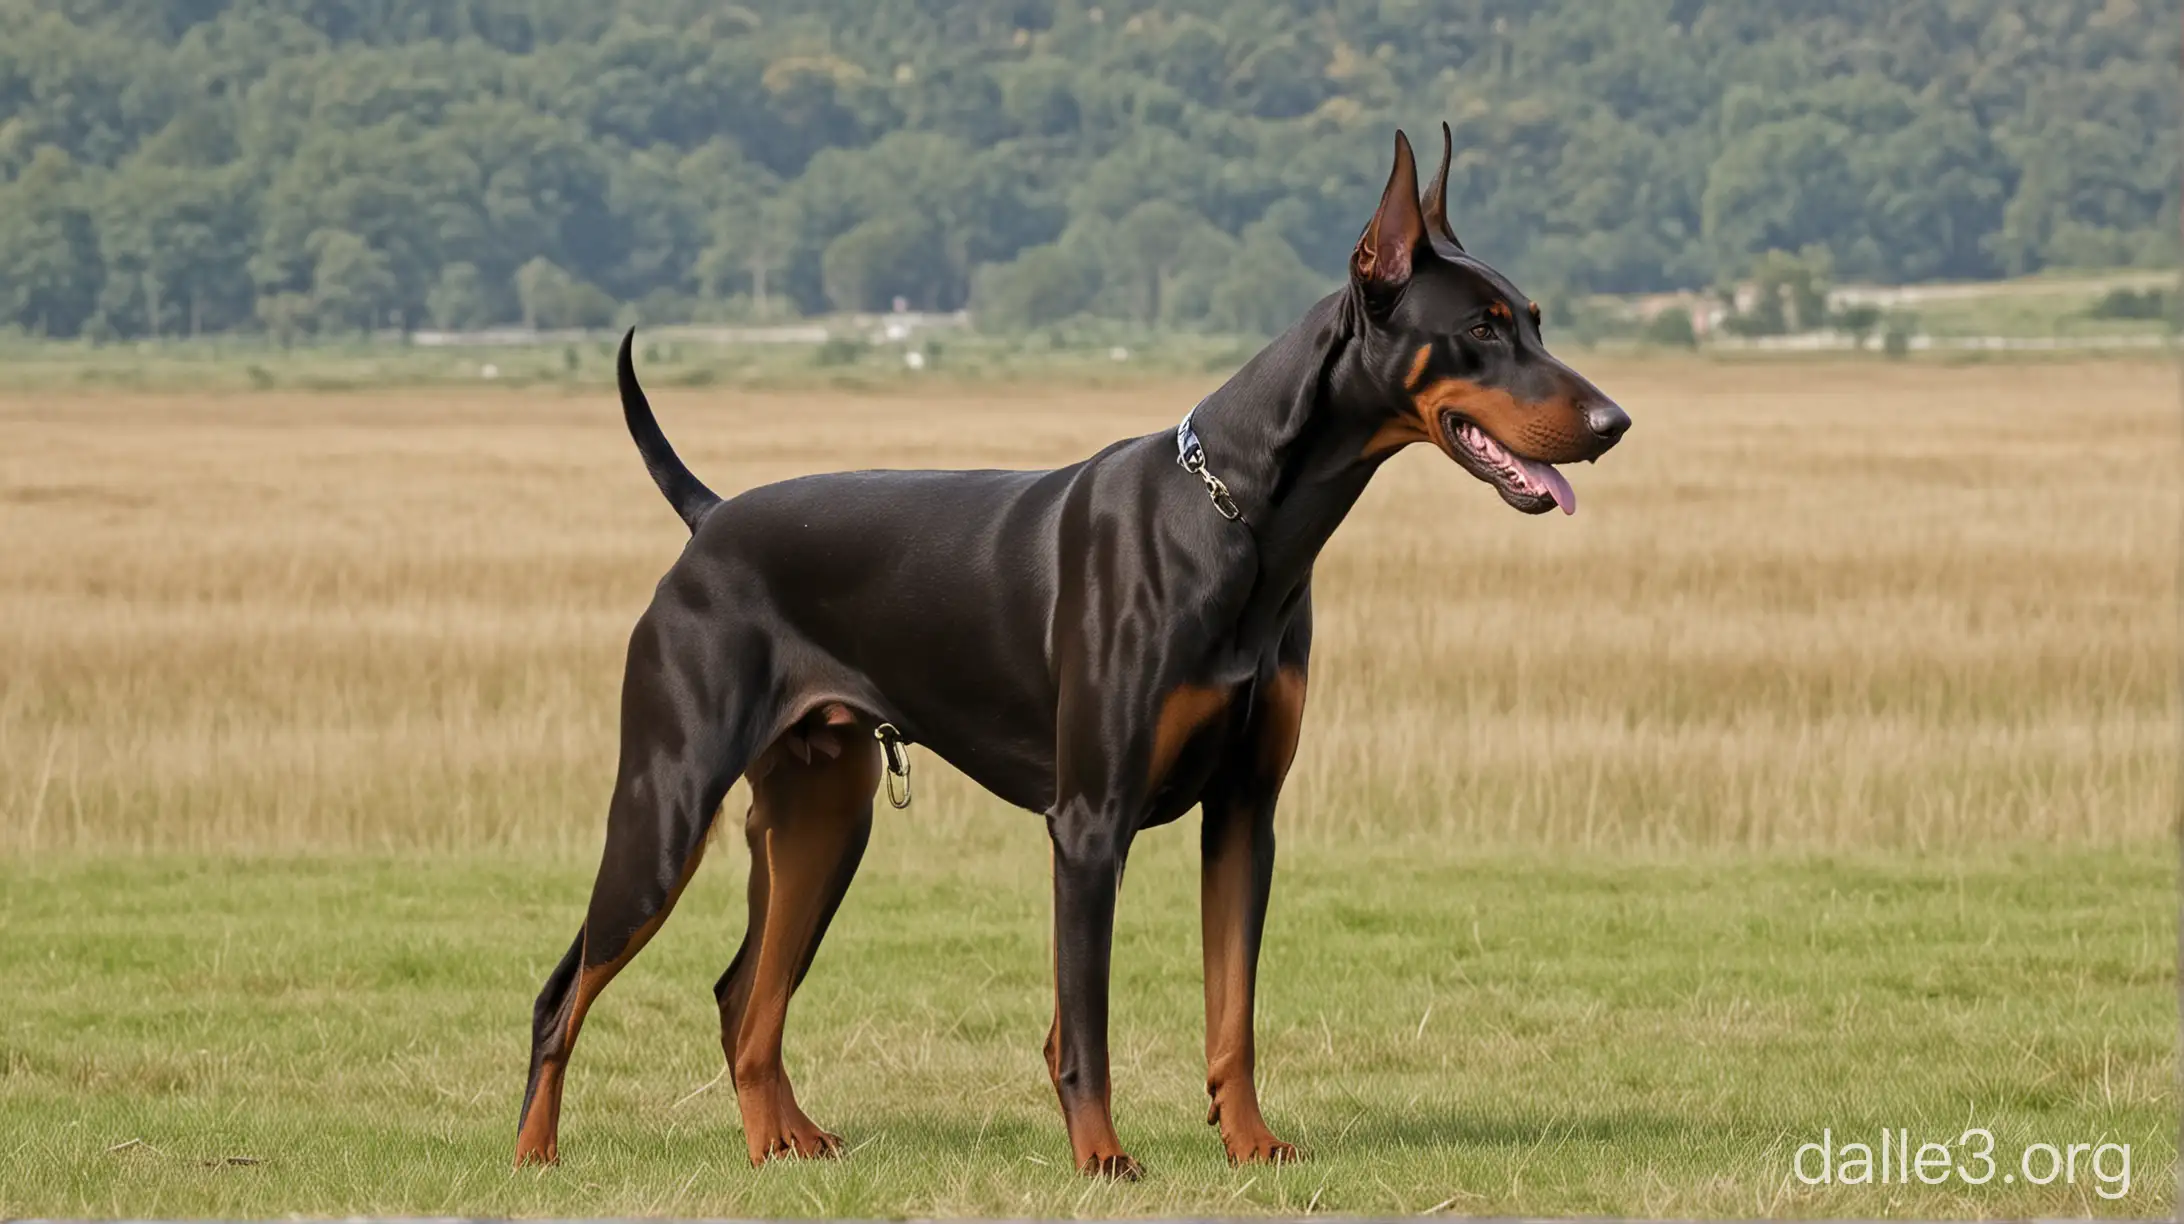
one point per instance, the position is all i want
(2060, 306)
(1488, 1033)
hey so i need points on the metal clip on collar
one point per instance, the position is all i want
(1190, 455)
(896, 755)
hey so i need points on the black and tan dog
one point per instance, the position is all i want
(1109, 643)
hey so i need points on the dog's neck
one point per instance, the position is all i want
(1277, 433)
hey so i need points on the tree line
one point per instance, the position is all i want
(184, 166)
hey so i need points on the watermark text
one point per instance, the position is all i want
(1971, 1159)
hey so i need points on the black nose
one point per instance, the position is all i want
(1607, 422)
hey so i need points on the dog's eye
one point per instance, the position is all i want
(1480, 331)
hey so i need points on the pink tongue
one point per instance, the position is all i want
(1557, 487)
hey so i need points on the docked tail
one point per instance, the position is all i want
(684, 491)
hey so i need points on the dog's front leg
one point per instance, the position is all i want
(1236, 877)
(1090, 839)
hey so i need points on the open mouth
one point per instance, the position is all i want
(1527, 484)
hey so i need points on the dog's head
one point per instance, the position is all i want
(1456, 349)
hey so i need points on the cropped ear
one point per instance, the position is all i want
(1436, 202)
(1384, 252)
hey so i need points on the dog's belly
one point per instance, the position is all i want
(1000, 737)
(1015, 766)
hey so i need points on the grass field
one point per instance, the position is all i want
(1492, 1033)
(1820, 774)
(1089, 354)
(2055, 305)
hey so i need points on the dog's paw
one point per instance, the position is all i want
(1262, 1148)
(1116, 1167)
(799, 1143)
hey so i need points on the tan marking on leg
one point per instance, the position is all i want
(1089, 1121)
(1090, 1124)
(1225, 900)
(807, 820)
(1231, 1052)
(1281, 716)
(1186, 708)
(538, 1140)
(1092, 1139)
(1053, 1047)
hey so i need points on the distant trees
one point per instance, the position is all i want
(461, 299)
(552, 298)
(899, 254)
(1150, 240)
(50, 269)
(352, 285)
(1266, 288)
(1041, 285)
(169, 168)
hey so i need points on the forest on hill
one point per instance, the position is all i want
(185, 166)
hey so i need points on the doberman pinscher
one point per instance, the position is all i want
(1108, 643)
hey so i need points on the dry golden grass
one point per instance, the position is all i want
(1823, 606)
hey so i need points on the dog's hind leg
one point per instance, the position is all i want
(677, 762)
(811, 814)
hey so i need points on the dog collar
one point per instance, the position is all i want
(1190, 455)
